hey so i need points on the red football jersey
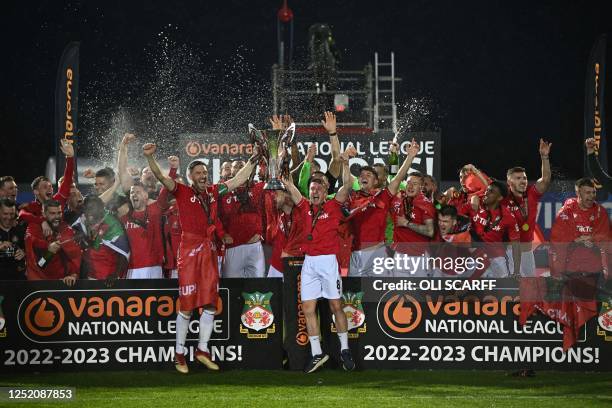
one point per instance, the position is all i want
(368, 217)
(494, 227)
(419, 208)
(242, 221)
(197, 211)
(143, 229)
(525, 211)
(324, 235)
(288, 237)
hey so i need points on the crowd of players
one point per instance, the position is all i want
(386, 222)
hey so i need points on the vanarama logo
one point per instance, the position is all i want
(194, 148)
(401, 313)
(44, 316)
(110, 315)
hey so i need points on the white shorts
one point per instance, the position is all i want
(320, 277)
(528, 266)
(362, 262)
(497, 269)
(274, 273)
(244, 261)
(174, 274)
(149, 272)
(408, 266)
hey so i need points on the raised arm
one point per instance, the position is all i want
(347, 183)
(296, 196)
(544, 181)
(148, 150)
(122, 162)
(243, 175)
(330, 125)
(63, 191)
(108, 194)
(394, 184)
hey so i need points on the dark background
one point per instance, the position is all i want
(495, 76)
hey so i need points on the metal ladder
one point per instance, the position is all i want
(385, 109)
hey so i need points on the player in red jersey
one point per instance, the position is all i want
(369, 207)
(55, 256)
(197, 260)
(413, 216)
(320, 275)
(43, 191)
(241, 212)
(522, 201)
(493, 224)
(142, 224)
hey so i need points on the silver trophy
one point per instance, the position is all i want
(274, 150)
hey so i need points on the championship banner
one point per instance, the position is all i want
(444, 324)
(594, 103)
(67, 105)
(46, 326)
(215, 148)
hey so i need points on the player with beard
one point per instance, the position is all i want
(522, 201)
(473, 184)
(368, 215)
(56, 256)
(197, 260)
(413, 215)
(493, 224)
(43, 191)
(320, 275)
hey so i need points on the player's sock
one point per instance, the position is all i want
(182, 327)
(206, 328)
(315, 345)
(343, 340)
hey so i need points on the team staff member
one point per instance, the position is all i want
(197, 260)
(56, 256)
(369, 207)
(320, 275)
(522, 201)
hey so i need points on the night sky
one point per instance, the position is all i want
(496, 75)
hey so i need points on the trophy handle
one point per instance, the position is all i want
(288, 137)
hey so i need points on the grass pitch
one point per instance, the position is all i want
(201, 388)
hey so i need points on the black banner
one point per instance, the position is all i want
(67, 104)
(48, 326)
(441, 324)
(594, 104)
(215, 148)
(296, 343)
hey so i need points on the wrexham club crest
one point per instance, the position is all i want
(605, 320)
(257, 317)
(354, 314)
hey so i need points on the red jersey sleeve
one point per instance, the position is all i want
(64, 189)
(35, 237)
(29, 218)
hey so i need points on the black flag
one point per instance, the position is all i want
(67, 104)
(594, 107)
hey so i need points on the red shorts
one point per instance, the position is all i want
(198, 276)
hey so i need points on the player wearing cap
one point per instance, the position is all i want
(197, 260)
(522, 201)
(320, 275)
